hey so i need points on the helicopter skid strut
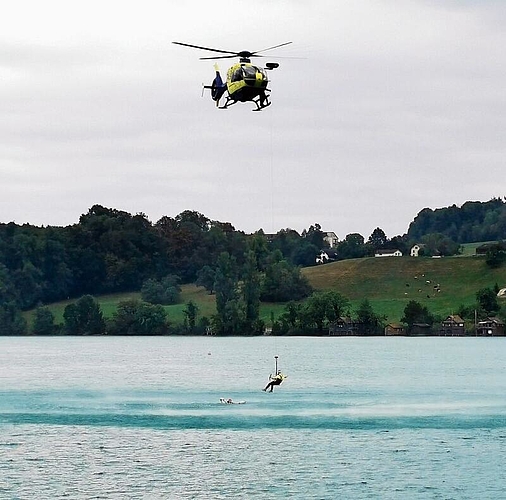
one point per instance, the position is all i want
(260, 103)
(261, 106)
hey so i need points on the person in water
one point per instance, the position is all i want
(276, 380)
(229, 401)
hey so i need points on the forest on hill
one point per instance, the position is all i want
(473, 221)
(112, 251)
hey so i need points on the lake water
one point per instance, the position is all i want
(140, 418)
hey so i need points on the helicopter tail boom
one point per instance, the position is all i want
(218, 87)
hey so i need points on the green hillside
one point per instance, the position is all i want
(390, 282)
(206, 304)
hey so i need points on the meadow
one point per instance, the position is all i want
(389, 283)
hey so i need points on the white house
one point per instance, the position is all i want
(415, 249)
(331, 238)
(388, 253)
(326, 255)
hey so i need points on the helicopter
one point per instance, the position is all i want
(245, 82)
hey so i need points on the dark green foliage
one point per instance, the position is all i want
(369, 322)
(487, 301)
(11, 321)
(290, 319)
(206, 278)
(316, 314)
(192, 241)
(322, 308)
(8, 291)
(251, 290)
(229, 317)
(260, 248)
(165, 291)
(84, 317)
(286, 241)
(237, 297)
(467, 312)
(43, 322)
(299, 250)
(226, 282)
(352, 247)
(190, 312)
(279, 327)
(496, 256)
(124, 247)
(314, 235)
(304, 254)
(400, 243)
(35, 262)
(473, 221)
(414, 312)
(109, 251)
(377, 241)
(28, 282)
(283, 281)
(439, 244)
(134, 317)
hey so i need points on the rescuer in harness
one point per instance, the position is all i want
(274, 380)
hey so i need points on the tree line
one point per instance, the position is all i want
(472, 222)
(238, 289)
(237, 313)
(111, 251)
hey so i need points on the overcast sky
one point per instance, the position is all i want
(395, 105)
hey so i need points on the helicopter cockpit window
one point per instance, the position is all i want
(250, 72)
(237, 75)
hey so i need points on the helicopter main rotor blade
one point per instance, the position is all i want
(206, 48)
(270, 48)
(218, 57)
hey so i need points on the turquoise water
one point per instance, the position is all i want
(140, 418)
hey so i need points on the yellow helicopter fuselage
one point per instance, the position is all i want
(246, 81)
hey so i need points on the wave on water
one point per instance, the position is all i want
(202, 410)
(245, 421)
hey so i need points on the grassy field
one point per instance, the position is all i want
(388, 283)
(206, 304)
(108, 304)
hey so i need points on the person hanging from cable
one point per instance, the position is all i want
(276, 379)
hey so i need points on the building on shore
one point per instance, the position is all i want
(490, 327)
(453, 326)
(395, 329)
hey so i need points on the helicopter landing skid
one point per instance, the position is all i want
(261, 105)
(259, 102)
(228, 102)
